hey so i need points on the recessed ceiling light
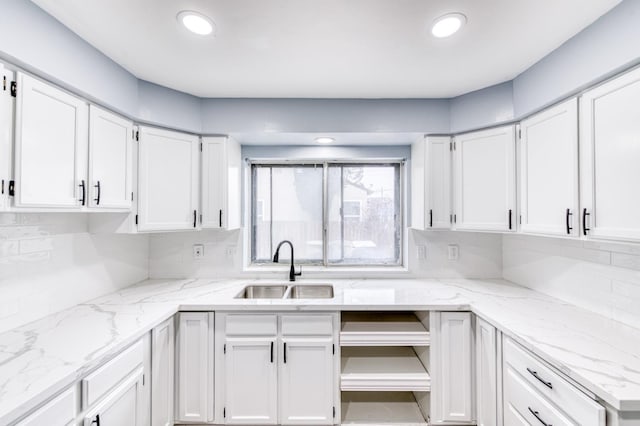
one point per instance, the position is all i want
(448, 24)
(325, 140)
(195, 22)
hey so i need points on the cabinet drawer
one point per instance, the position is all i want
(574, 402)
(303, 325)
(98, 383)
(60, 411)
(521, 401)
(251, 325)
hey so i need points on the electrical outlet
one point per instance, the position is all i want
(231, 252)
(421, 252)
(453, 252)
(198, 251)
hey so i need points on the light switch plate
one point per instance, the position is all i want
(453, 252)
(198, 251)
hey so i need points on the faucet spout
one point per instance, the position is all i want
(276, 257)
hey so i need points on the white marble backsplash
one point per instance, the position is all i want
(49, 262)
(603, 277)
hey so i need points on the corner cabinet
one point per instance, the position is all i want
(51, 133)
(609, 158)
(431, 183)
(221, 183)
(168, 180)
(452, 378)
(162, 373)
(485, 180)
(488, 367)
(549, 171)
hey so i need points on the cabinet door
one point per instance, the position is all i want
(167, 180)
(61, 411)
(609, 158)
(110, 164)
(251, 380)
(486, 374)
(451, 367)
(221, 183)
(195, 367)
(122, 406)
(549, 172)
(306, 381)
(51, 146)
(439, 182)
(162, 373)
(485, 180)
(6, 138)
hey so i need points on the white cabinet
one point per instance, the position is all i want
(194, 402)
(168, 183)
(124, 405)
(276, 368)
(452, 381)
(485, 178)
(609, 158)
(110, 160)
(50, 146)
(549, 171)
(221, 183)
(60, 411)
(162, 373)
(431, 183)
(486, 374)
(6, 137)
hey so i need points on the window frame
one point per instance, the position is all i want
(400, 220)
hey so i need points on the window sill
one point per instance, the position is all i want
(282, 270)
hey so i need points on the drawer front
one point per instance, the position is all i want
(304, 325)
(98, 383)
(60, 411)
(556, 389)
(251, 325)
(521, 401)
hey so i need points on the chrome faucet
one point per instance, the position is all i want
(292, 271)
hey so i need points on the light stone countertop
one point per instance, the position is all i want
(42, 358)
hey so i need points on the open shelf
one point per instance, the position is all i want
(382, 329)
(381, 408)
(383, 369)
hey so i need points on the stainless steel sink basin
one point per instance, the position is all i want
(311, 291)
(267, 291)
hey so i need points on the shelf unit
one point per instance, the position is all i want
(384, 368)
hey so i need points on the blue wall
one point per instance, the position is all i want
(35, 41)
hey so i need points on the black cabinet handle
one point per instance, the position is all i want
(285, 352)
(96, 420)
(584, 221)
(568, 219)
(97, 199)
(535, 374)
(537, 416)
(430, 218)
(220, 218)
(510, 215)
(83, 199)
(272, 352)
(195, 215)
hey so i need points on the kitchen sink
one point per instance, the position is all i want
(311, 291)
(266, 291)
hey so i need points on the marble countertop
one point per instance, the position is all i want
(41, 358)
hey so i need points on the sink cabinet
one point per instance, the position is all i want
(276, 368)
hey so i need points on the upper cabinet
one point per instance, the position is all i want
(110, 160)
(431, 183)
(485, 180)
(609, 159)
(6, 136)
(168, 183)
(221, 183)
(50, 146)
(549, 171)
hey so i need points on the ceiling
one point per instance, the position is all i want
(328, 48)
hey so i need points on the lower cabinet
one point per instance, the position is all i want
(452, 378)
(276, 368)
(162, 373)
(194, 393)
(122, 406)
(60, 411)
(487, 383)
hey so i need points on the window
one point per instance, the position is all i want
(333, 213)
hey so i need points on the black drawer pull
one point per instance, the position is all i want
(195, 218)
(537, 416)
(535, 374)
(568, 218)
(83, 199)
(220, 218)
(97, 199)
(96, 421)
(510, 214)
(584, 221)
(272, 352)
(430, 218)
(285, 352)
